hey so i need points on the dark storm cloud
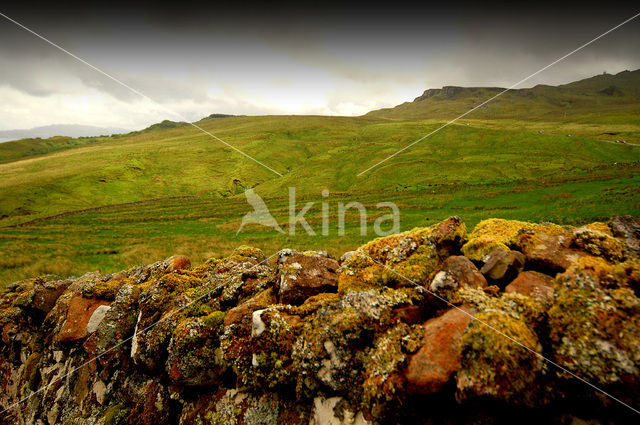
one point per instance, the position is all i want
(254, 59)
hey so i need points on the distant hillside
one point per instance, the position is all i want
(67, 130)
(596, 99)
(25, 148)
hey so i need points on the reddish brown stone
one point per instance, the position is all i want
(532, 284)
(302, 276)
(439, 357)
(78, 315)
(263, 300)
(177, 263)
(457, 271)
(454, 273)
(8, 331)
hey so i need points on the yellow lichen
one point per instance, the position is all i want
(495, 363)
(594, 323)
(108, 290)
(599, 243)
(492, 234)
(500, 230)
(476, 249)
(605, 273)
(600, 227)
(314, 303)
(248, 252)
(404, 259)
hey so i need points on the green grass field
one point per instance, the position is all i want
(506, 166)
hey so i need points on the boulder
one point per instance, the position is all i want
(438, 360)
(260, 349)
(79, 313)
(502, 266)
(111, 325)
(548, 248)
(261, 301)
(304, 275)
(327, 352)
(594, 325)
(241, 275)
(454, 273)
(46, 294)
(627, 228)
(496, 367)
(194, 354)
(235, 407)
(404, 259)
(384, 368)
(491, 235)
(532, 284)
(160, 305)
(597, 239)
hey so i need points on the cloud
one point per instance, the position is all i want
(327, 64)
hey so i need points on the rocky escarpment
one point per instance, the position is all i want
(434, 325)
(455, 92)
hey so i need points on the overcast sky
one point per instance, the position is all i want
(197, 61)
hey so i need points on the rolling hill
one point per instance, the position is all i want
(68, 205)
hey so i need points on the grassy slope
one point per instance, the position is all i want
(19, 149)
(491, 167)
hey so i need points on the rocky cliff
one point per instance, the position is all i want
(512, 321)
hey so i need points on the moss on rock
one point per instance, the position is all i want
(494, 362)
(595, 323)
(404, 259)
(493, 234)
(331, 350)
(383, 368)
(194, 354)
(260, 347)
(598, 240)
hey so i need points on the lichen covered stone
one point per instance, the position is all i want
(492, 234)
(495, 363)
(595, 323)
(402, 260)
